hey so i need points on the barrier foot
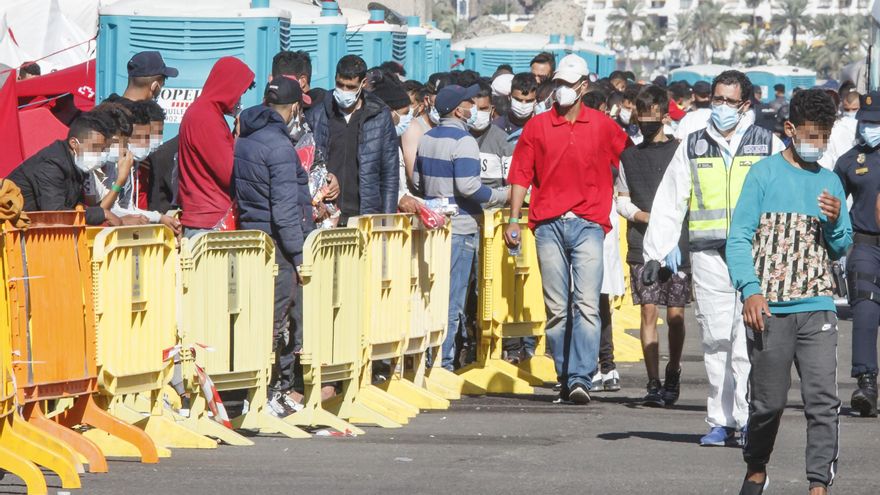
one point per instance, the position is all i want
(164, 431)
(12, 462)
(408, 392)
(436, 388)
(80, 444)
(447, 380)
(87, 411)
(515, 371)
(208, 427)
(113, 446)
(363, 415)
(43, 450)
(385, 403)
(480, 380)
(317, 416)
(266, 423)
(540, 366)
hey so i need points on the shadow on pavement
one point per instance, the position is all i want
(652, 435)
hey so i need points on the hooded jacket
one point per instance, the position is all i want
(378, 159)
(50, 181)
(205, 145)
(267, 180)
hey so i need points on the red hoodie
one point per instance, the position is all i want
(205, 147)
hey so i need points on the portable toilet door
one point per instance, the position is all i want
(416, 62)
(438, 51)
(694, 73)
(485, 54)
(321, 36)
(373, 41)
(191, 38)
(766, 77)
(600, 60)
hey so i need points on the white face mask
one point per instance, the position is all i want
(483, 120)
(345, 99)
(112, 153)
(434, 116)
(403, 123)
(155, 142)
(139, 153)
(565, 96)
(87, 161)
(520, 109)
(850, 114)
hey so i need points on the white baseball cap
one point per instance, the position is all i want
(571, 69)
(501, 85)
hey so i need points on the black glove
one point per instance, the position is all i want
(651, 273)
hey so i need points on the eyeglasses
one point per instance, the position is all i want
(720, 100)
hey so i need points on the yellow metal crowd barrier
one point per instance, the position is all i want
(133, 274)
(510, 304)
(226, 305)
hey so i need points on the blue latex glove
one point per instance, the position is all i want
(673, 260)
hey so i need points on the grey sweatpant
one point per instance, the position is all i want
(810, 341)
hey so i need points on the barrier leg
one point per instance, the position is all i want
(259, 418)
(44, 450)
(441, 378)
(540, 366)
(199, 421)
(161, 429)
(385, 404)
(317, 416)
(481, 378)
(12, 461)
(85, 447)
(347, 406)
(86, 411)
(408, 392)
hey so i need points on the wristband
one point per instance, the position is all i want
(513, 220)
(116, 188)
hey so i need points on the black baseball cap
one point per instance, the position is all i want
(145, 64)
(869, 109)
(284, 90)
(702, 89)
(451, 97)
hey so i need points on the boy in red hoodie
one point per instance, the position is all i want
(205, 147)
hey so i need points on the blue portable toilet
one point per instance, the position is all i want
(191, 38)
(485, 54)
(416, 63)
(321, 33)
(557, 46)
(438, 51)
(377, 41)
(694, 73)
(600, 60)
(767, 76)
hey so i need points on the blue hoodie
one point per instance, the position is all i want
(268, 181)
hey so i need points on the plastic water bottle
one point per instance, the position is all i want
(516, 250)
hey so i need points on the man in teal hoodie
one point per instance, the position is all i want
(790, 223)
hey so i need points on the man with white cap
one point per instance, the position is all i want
(566, 156)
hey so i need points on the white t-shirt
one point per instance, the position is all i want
(843, 136)
(693, 121)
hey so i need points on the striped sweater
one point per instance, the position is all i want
(448, 166)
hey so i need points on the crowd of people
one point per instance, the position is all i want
(733, 204)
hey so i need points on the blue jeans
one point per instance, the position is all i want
(464, 249)
(570, 259)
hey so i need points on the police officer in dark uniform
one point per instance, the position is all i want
(859, 171)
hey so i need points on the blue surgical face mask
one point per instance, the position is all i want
(543, 107)
(808, 152)
(851, 114)
(403, 123)
(345, 99)
(472, 119)
(724, 117)
(870, 132)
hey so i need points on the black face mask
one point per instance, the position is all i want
(650, 129)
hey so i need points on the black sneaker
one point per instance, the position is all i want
(671, 386)
(752, 488)
(579, 394)
(864, 399)
(654, 397)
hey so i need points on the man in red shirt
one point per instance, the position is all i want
(566, 156)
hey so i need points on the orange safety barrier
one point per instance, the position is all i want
(53, 331)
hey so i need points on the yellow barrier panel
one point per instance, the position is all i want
(627, 349)
(133, 274)
(387, 315)
(510, 304)
(18, 454)
(431, 256)
(332, 275)
(227, 299)
(53, 332)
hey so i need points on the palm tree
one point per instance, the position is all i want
(793, 17)
(757, 46)
(623, 25)
(653, 39)
(704, 30)
(823, 25)
(754, 4)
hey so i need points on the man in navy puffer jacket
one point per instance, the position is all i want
(268, 181)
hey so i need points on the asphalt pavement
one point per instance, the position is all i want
(514, 444)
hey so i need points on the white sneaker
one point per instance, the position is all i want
(610, 382)
(292, 404)
(598, 380)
